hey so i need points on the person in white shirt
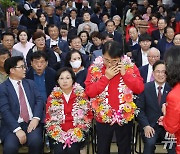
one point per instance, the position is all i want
(146, 71)
(23, 45)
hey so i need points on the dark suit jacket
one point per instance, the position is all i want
(52, 60)
(150, 110)
(56, 20)
(9, 106)
(156, 35)
(137, 57)
(63, 45)
(117, 37)
(113, 11)
(78, 21)
(129, 47)
(144, 72)
(95, 19)
(161, 46)
(50, 80)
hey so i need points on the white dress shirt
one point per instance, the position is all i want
(67, 96)
(144, 58)
(149, 73)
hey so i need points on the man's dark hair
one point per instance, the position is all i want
(144, 37)
(7, 33)
(113, 48)
(20, 8)
(64, 69)
(38, 55)
(4, 51)
(11, 63)
(109, 21)
(166, 28)
(172, 61)
(157, 63)
(74, 37)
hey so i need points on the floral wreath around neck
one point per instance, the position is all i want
(81, 121)
(103, 111)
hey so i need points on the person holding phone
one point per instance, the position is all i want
(111, 82)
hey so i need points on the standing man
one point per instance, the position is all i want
(150, 104)
(110, 79)
(21, 109)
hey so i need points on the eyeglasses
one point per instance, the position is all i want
(153, 57)
(22, 67)
(160, 72)
(113, 61)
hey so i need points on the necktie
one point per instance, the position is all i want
(152, 77)
(159, 94)
(23, 106)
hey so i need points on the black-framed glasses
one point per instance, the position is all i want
(22, 67)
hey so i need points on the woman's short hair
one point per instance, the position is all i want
(64, 69)
(20, 31)
(84, 32)
(113, 48)
(38, 34)
(172, 61)
(68, 57)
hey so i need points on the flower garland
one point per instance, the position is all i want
(103, 111)
(81, 121)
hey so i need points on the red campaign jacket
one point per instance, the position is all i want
(133, 81)
(67, 111)
(171, 121)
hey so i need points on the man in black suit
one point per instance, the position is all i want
(140, 56)
(150, 104)
(159, 33)
(110, 29)
(133, 43)
(75, 21)
(146, 70)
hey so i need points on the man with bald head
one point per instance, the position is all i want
(132, 44)
(176, 40)
(146, 70)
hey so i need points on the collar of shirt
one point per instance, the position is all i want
(54, 42)
(156, 86)
(34, 72)
(67, 96)
(135, 42)
(14, 82)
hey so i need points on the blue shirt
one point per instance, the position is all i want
(40, 82)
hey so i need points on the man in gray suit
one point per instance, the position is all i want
(86, 21)
(7, 41)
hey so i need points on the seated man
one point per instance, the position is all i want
(150, 104)
(43, 76)
(146, 71)
(21, 109)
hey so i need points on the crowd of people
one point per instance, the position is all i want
(66, 65)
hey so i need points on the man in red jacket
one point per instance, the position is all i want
(110, 83)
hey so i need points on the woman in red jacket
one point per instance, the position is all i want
(171, 120)
(110, 83)
(67, 114)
